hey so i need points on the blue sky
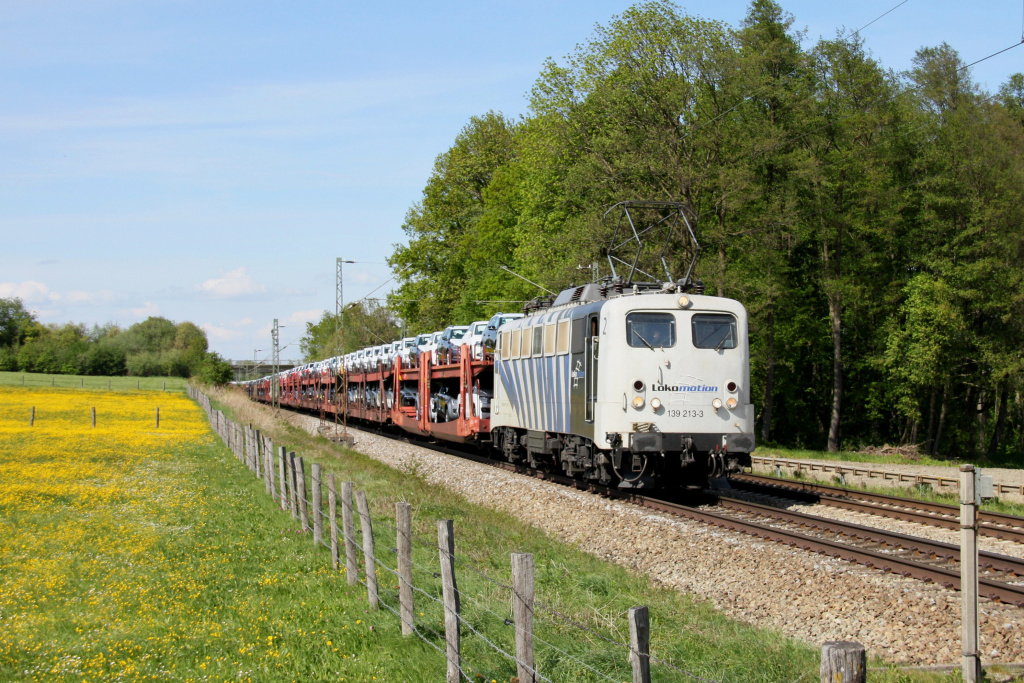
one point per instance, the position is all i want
(208, 161)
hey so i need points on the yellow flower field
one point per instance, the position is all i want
(64, 459)
(130, 552)
(80, 511)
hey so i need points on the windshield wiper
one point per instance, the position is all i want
(640, 337)
(724, 339)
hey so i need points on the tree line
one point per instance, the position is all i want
(153, 347)
(869, 220)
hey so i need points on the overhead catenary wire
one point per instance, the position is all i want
(881, 15)
(994, 54)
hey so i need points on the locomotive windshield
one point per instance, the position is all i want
(651, 330)
(714, 331)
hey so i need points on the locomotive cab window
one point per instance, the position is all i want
(713, 331)
(651, 330)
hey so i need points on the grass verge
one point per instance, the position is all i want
(92, 382)
(685, 631)
(1012, 460)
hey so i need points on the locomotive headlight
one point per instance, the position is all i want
(716, 404)
(638, 402)
(684, 301)
(731, 403)
(655, 403)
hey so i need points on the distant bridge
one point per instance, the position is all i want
(246, 369)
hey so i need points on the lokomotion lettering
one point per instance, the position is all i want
(683, 387)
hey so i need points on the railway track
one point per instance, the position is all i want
(993, 524)
(932, 561)
(887, 551)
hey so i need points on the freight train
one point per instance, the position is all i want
(620, 383)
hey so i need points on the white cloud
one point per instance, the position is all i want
(220, 334)
(292, 327)
(146, 310)
(300, 318)
(364, 278)
(80, 297)
(231, 285)
(29, 291)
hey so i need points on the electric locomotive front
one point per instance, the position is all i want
(673, 402)
(639, 388)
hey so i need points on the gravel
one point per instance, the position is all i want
(801, 594)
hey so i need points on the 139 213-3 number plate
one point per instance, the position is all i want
(685, 413)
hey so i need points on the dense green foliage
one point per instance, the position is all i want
(153, 347)
(869, 220)
(362, 324)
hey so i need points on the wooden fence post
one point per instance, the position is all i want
(969, 633)
(843, 662)
(32, 417)
(522, 613)
(332, 516)
(247, 446)
(640, 644)
(257, 450)
(349, 528)
(282, 472)
(446, 547)
(369, 559)
(300, 492)
(317, 506)
(403, 523)
(158, 417)
(268, 466)
(94, 417)
(291, 485)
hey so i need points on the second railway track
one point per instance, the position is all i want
(992, 524)
(888, 551)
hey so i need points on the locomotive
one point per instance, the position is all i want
(645, 387)
(627, 383)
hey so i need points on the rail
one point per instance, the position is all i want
(843, 470)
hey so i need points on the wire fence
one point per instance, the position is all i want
(444, 611)
(93, 382)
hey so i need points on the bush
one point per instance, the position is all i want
(105, 357)
(214, 370)
(8, 359)
(146, 364)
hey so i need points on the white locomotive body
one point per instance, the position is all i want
(642, 387)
